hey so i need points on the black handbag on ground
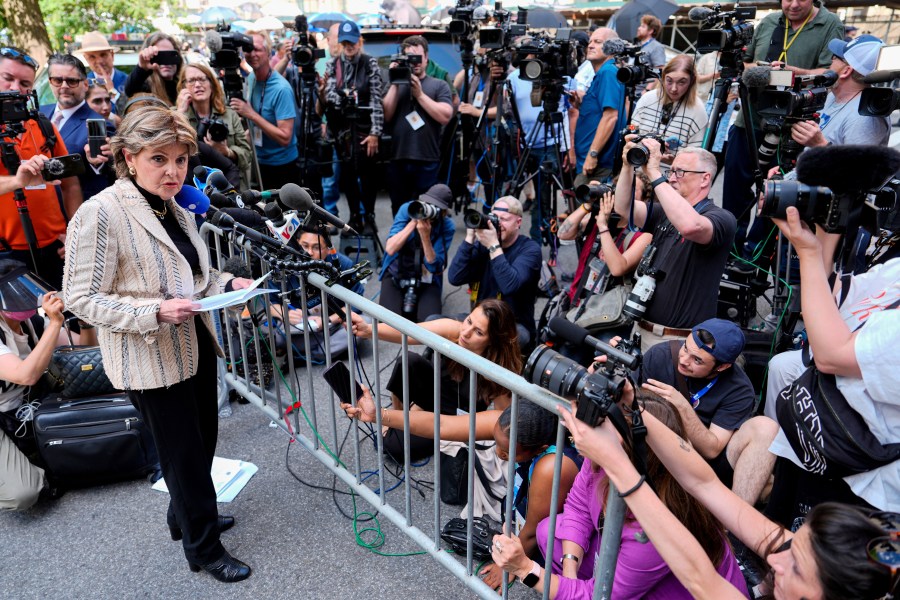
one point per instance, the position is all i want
(94, 440)
(79, 369)
(483, 532)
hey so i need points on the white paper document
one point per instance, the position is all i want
(229, 477)
(236, 297)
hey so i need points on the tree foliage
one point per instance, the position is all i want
(26, 25)
(67, 18)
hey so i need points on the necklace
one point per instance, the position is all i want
(160, 214)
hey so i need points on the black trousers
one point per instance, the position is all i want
(184, 422)
(428, 294)
(358, 179)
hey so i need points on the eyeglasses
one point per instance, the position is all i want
(885, 550)
(679, 173)
(69, 81)
(196, 80)
(15, 54)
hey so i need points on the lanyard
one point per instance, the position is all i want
(788, 44)
(695, 398)
(262, 93)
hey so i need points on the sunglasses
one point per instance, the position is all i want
(885, 550)
(69, 81)
(15, 54)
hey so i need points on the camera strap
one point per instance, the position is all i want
(637, 433)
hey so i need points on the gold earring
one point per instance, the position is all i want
(131, 171)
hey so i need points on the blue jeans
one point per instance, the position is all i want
(407, 179)
(330, 192)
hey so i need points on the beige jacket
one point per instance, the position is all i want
(120, 265)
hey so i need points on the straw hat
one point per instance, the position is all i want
(94, 41)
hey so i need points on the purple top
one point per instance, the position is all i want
(640, 571)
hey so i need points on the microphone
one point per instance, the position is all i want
(218, 181)
(847, 169)
(296, 197)
(284, 226)
(756, 77)
(213, 41)
(192, 199)
(613, 47)
(700, 13)
(577, 336)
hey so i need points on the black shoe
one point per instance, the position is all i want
(52, 489)
(529, 202)
(225, 523)
(227, 569)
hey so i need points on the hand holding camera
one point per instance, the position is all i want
(30, 172)
(808, 134)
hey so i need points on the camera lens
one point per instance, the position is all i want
(808, 200)
(554, 372)
(422, 210)
(473, 219)
(637, 156)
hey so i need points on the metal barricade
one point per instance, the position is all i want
(280, 409)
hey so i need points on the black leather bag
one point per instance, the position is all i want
(94, 440)
(483, 532)
(79, 369)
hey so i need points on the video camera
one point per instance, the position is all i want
(224, 45)
(552, 58)
(882, 101)
(594, 392)
(305, 52)
(502, 34)
(14, 108)
(402, 72)
(726, 31)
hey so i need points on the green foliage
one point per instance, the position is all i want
(67, 18)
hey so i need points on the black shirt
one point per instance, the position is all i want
(170, 223)
(454, 394)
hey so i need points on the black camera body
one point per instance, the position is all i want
(215, 127)
(726, 31)
(14, 108)
(476, 220)
(639, 155)
(410, 289)
(227, 60)
(552, 58)
(592, 194)
(402, 72)
(639, 71)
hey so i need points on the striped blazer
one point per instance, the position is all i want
(120, 265)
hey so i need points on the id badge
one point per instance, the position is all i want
(519, 523)
(426, 277)
(415, 120)
(478, 101)
(596, 270)
(257, 137)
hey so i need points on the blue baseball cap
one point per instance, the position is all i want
(728, 339)
(861, 53)
(348, 32)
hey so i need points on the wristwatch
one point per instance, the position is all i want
(492, 248)
(659, 181)
(593, 154)
(532, 578)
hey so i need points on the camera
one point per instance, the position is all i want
(403, 71)
(638, 72)
(640, 295)
(226, 58)
(14, 107)
(595, 392)
(878, 102)
(476, 220)
(421, 211)
(552, 59)
(504, 32)
(410, 289)
(592, 194)
(726, 31)
(639, 155)
(305, 52)
(215, 127)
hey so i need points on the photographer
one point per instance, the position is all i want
(201, 99)
(672, 110)
(795, 39)
(48, 206)
(416, 253)
(601, 115)
(355, 113)
(161, 80)
(691, 237)
(415, 111)
(501, 264)
(646, 35)
(856, 343)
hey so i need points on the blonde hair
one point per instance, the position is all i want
(683, 63)
(264, 36)
(155, 81)
(149, 128)
(216, 101)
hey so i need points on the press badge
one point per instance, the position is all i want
(478, 101)
(257, 137)
(415, 121)
(596, 271)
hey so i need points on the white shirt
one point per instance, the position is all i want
(66, 114)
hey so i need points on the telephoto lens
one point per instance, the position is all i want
(587, 193)
(422, 210)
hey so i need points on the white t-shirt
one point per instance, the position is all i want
(585, 76)
(874, 396)
(11, 394)
(687, 123)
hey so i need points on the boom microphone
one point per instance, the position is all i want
(301, 23)
(213, 41)
(613, 47)
(296, 197)
(577, 336)
(700, 13)
(847, 169)
(756, 77)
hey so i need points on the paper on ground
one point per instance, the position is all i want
(229, 478)
(227, 299)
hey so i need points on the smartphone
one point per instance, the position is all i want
(166, 57)
(96, 135)
(338, 377)
(61, 167)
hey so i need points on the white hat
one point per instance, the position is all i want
(94, 41)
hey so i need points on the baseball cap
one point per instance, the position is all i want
(728, 339)
(860, 53)
(348, 32)
(439, 194)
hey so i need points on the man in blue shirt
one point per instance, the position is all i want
(271, 112)
(601, 116)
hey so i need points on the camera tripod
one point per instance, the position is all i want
(11, 162)
(310, 167)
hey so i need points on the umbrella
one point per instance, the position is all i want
(268, 24)
(216, 14)
(372, 20)
(241, 26)
(626, 20)
(544, 18)
(327, 19)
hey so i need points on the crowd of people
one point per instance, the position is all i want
(727, 478)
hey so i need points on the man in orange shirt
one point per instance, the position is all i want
(49, 206)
